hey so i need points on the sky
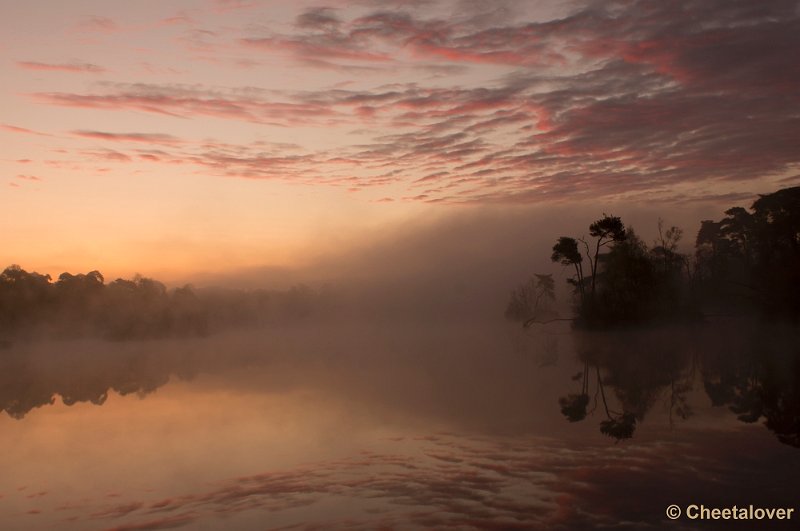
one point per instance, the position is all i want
(208, 135)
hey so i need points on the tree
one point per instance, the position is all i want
(566, 252)
(628, 290)
(776, 242)
(607, 230)
(737, 228)
(25, 299)
(665, 249)
(754, 257)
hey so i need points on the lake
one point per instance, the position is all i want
(401, 425)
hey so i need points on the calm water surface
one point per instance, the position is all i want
(400, 426)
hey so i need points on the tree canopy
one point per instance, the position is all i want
(748, 261)
(77, 305)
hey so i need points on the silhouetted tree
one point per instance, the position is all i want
(566, 252)
(606, 231)
(25, 300)
(665, 250)
(754, 258)
(777, 251)
(79, 298)
(627, 285)
(78, 305)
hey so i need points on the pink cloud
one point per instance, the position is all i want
(98, 24)
(23, 130)
(118, 511)
(149, 138)
(107, 155)
(169, 522)
(600, 103)
(62, 67)
(177, 19)
(315, 50)
(324, 35)
(182, 102)
(233, 5)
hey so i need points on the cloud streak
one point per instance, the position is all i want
(149, 138)
(23, 130)
(83, 68)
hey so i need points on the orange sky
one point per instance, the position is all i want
(172, 137)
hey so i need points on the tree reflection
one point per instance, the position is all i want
(29, 380)
(754, 371)
(632, 370)
(574, 406)
(760, 380)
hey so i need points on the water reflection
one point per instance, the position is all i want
(397, 427)
(760, 380)
(457, 481)
(472, 377)
(752, 369)
(32, 376)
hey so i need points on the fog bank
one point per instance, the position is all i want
(463, 264)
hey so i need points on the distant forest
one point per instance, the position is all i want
(747, 263)
(33, 306)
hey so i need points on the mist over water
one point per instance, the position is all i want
(457, 265)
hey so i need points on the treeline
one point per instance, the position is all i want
(746, 263)
(32, 305)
